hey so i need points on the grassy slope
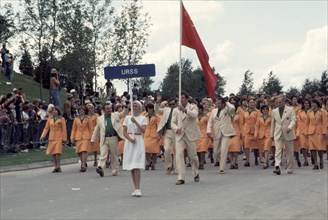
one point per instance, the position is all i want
(33, 156)
(30, 87)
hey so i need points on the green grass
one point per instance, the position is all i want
(30, 88)
(33, 156)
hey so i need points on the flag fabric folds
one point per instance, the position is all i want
(191, 39)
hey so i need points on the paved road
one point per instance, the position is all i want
(247, 193)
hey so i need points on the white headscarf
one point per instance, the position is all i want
(139, 105)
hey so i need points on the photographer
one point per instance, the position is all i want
(54, 87)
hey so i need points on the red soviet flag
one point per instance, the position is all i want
(191, 39)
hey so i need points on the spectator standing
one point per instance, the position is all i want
(54, 88)
(135, 91)
(109, 86)
(3, 53)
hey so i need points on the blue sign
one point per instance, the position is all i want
(131, 71)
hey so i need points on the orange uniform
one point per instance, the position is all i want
(203, 143)
(262, 132)
(95, 146)
(317, 129)
(237, 123)
(57, 135)
(81, 133)
(150, 137)
(249, 129)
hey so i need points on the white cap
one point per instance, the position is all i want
(72, 91)
(14, 89)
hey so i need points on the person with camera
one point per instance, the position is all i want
(54, 87)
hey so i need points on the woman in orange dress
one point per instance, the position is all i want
(202, 143)
(326, 109)
(262, 132)
(317, 132)
(57, 137)
(301, 131)
(235, 142)
(151, 138)
(94, 148)
(250, 142)
(81, 134)
(241, 111)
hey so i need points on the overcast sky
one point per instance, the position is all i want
(286, 37)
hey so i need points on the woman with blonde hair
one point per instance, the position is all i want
(134, 147)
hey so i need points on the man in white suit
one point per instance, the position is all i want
(165, 129)
(109, 129)
(187, 132)
(282, 131)
(220, 119)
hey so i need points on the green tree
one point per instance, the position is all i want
(309, 87)
(192, 81)
(291, 91)
(26, 65)
(100, 14)
(219, 89)
(7, 23)
(144, 84)
(170, 85)
(76, 41)
(36, 26)
(272, 84)
(131, 30)
(247, 84)
(324, 83)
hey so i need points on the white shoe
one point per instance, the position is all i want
(134, 193)
(138, 193)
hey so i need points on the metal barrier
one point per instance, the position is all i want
(19, 136)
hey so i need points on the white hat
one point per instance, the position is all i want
(72, 91)
(50, 107)
(14, 89)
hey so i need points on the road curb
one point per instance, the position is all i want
(20, 167)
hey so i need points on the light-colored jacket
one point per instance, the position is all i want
(166, 113)
(100, 129)
(280, 124)
(189, 125)
(222, 124)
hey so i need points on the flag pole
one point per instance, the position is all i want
(180, 45)
(131, 103)
(180, 66)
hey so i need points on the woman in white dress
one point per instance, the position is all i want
(134, 146)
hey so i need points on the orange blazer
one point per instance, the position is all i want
(82, 130)
(263, 127)
(318, 122)
(57, 129)
(302, 123)
(250, 121)
(151, 129)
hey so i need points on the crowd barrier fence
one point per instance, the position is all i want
(20, 136)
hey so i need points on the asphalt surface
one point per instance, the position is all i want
(246, 193)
